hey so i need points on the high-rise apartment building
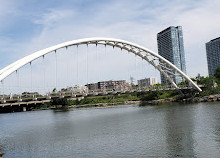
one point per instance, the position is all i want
(170, 46)
(147, 82)
(213, 55)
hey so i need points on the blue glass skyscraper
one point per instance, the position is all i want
(170, 46)
(213, 55)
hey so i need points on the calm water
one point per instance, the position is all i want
(174, 130)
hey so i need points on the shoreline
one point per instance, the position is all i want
(94, 105)
(105, 104)
(210, 98)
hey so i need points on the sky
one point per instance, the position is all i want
(27, 26)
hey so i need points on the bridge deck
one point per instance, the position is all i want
(24, 103)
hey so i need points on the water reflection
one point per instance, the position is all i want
(208, 129)
(217, 133)
(179, 121)
(213, 113)
(127, 131)
(63, 109)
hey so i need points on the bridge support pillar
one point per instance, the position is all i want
(24, 109)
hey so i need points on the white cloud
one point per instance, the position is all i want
(54, 16)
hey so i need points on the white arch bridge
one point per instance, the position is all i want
(158, 62)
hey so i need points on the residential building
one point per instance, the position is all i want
(147, 82)
(213, 55)
(75, 89)
(92, 87)
(108, 85)
(170, 46)
(78, 89)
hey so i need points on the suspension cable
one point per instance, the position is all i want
(106, 54)
(56, 70)
(67, 69)
(18, 82)
(96, 55)
(77, 66)
(87, 61)
(135, 66)
(31, 78)
(142, 67)
(44, 67)
(3, 89)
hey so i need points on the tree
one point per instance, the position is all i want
(149, 96)
(186, 82)
(60, 101)
(64, 89)
(208, 82)
(198, 77)
(193, 79)
(54, 90)
(217, 73)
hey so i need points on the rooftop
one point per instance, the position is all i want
(167, 29)
(215, 39)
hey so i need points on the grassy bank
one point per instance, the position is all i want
(117, 98)
(154, 97)
(105, 99)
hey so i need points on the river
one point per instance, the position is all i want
(170, 130)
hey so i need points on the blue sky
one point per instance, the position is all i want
(30, 25)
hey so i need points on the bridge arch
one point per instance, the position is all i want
(164, 66)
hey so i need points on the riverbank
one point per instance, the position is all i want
(142, 99)
(141, 103)
(210, 98)
(91, 105)
(105, 104)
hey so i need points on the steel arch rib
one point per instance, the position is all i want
(97, 40)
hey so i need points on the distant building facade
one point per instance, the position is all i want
(213, 55)
(92, 86)
(147, 82)
(78, 89)
(171, 47)
(108, 85)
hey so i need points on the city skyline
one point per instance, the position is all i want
(29, 29)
